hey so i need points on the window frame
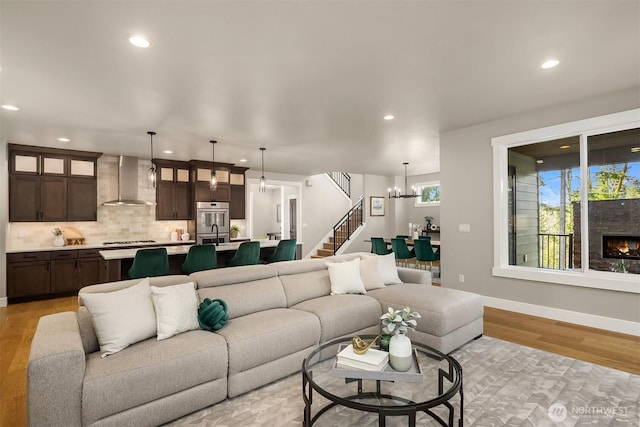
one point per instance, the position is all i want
(419, 186)
(583, 277)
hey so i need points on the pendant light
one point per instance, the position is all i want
(151, 174)
(213, 184)
(396, 191)
(263, 181)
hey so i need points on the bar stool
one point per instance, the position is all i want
(285, 251)
(199, 258)
(149, 263)
(248, 253)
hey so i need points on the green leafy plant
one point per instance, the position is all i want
(400, 321)
(234, 228)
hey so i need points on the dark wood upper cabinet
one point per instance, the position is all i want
(201, 178)
(173, 190)
(82, 199)
(24, 198)
(53, 198)
(237, 205)
(47, 184)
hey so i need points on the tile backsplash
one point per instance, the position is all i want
(115, 223)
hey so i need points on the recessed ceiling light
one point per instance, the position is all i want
(63, 139)
(635, 149)
(389, 117)
(139, 41)
(564, 147)
(539, 161)
(243, 160)
(550, 63)
(168, 152)
(10, 107)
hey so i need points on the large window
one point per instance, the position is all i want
(568, 199)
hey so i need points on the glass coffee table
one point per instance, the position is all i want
(427, 393)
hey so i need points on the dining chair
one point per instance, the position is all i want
(424, 253)
(402, 236)
(379, 246)
(248, 253)
(149, 263)
(402, 253)
(285, 251)
(199, 258)
(421, 237)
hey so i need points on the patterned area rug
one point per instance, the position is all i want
(505, 384)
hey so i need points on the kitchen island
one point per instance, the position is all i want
(118, 261)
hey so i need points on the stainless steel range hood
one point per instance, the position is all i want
(128, 184)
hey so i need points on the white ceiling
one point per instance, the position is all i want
(308, 80)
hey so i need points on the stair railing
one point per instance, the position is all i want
(342, 180)
(349, 223)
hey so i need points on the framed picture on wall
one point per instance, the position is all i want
(376, 206)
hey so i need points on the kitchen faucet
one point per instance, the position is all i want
(217, 235)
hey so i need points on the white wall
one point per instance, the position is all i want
(4, 219)
(467, 198)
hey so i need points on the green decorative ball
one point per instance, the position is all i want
(212, 314)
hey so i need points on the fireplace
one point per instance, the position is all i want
(621, 247)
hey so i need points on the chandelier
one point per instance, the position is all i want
(396, 191)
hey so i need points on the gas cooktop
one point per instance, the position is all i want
(128, 242)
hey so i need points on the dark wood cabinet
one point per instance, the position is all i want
(237, 205)
(24, 198)
(237, 199)
(53, 198)
(173, 191)
(201, 177)
(40, 274)
(82, 199)
(28, 274)
(47, 184)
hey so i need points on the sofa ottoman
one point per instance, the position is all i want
(450, 317)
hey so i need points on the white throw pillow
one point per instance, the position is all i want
(345, 277)
(123, 317)
(176, 309)
(388, 269)
(370, 274)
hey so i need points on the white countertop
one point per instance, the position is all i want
(98, 246)
(177, 250)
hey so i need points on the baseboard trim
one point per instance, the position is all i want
(584, 319)
(3, 302)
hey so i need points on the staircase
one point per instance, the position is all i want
(342, 231)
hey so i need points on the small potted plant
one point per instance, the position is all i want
(428, 218)
(233, 231)
(399, 322)
(59, 240)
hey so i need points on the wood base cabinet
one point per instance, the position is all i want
(49, 273)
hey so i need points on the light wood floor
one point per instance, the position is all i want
(18, 323)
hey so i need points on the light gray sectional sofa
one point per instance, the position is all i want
(278, 314)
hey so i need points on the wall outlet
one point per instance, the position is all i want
(464, 228)
(22, 235)
(461, 278)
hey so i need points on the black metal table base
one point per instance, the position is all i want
(383, 412)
